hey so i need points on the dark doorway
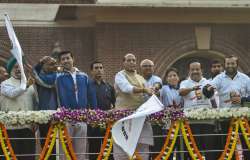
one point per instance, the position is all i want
(204, 58)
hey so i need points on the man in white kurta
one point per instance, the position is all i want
(155, 82)
(130, 90)
(17, 98)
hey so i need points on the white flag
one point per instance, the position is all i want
(16, 49)
(126, 131)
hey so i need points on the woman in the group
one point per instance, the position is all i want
(169, 94)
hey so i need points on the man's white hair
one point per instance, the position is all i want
(145, 61)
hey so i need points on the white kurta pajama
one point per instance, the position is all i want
(15, 98)
(126, 99)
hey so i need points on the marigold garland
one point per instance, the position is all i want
(47, 142)
(7, 150)
(109, 149)
(4, 148)
(51, 139)
(169, 142)
(107, 144)
(136, 156)
(245, 129)
(231, 142)
(51, 136)
(238, 151)
(51, 146)
(190, 142)
(237, 156)
(69, 143)
(63, 144)
(227, 154)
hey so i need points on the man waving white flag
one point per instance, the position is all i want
(126, 131)
(16, 49)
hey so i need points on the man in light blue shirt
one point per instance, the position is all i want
(233, 86)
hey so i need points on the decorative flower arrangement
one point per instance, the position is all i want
(100, 118)
(64, 138)
(218, 113)
(107, 145)
(169, 141)
(6, 145)
(21, 118)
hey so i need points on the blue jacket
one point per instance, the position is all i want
(66, 90)
(47, 99)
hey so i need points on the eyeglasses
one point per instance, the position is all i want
(98, 67)
(147, 65)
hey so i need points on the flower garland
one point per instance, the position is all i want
(190, 142)
(136, 156)
(216, 113)
(169, 142)
(5, 144)
(63, 142)
(49, 143)
(238, 152)
(68, 143)
(20, 118)
(231, 142)
(51, 139)
(107, 145)
(51, 146)
(99, 118)
(245, 131)
(110, 141)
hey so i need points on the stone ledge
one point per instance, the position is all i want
(50, 1)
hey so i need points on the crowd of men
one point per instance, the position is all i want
(58, 83)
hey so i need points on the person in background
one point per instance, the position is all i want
(47, 98)
(105, 96)
(3, 74)
(147, 69)
(216, 69)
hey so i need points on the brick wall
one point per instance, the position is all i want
(163, 43)
(37, 42)
(145, 40)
